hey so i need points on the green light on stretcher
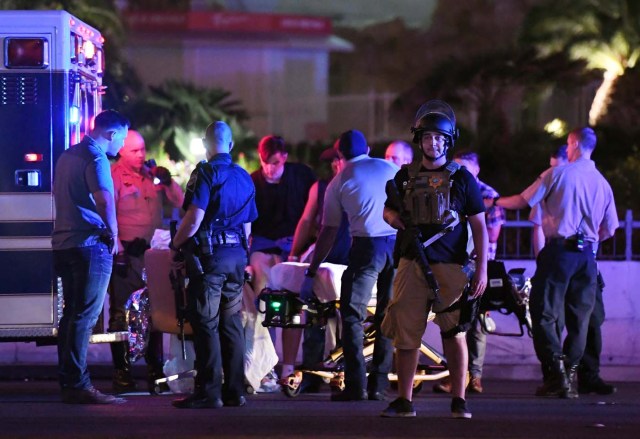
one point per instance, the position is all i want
(276, 305)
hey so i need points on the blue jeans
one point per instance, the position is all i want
(85, 273)
(281, 246)
(370, 263)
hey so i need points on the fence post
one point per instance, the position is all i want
(628, 235)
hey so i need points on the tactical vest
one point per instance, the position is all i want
(427, 194)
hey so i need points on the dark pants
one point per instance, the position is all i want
(477, 346)
(124, 281)
(589, 369)
(370, 263)
(563, 294)
(217, 329)
(85, 273)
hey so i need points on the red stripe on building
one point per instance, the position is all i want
(200, 21)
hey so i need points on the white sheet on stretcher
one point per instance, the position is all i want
(326, 284)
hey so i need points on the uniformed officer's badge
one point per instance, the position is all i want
(435, 182)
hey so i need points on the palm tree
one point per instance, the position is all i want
(496, 98)
(171, 114)
(604, 33)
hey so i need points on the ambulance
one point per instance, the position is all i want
(51, 68)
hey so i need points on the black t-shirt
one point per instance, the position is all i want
(465, 199)
(280, 205)
(224, 191)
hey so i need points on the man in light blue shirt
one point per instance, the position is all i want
(359, 190)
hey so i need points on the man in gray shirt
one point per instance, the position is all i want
(358, 190)
(84, 240)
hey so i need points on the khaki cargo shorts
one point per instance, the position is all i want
(406, 316)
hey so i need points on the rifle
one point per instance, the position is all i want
(178, 283)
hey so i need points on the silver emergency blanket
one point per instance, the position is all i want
(428, 200)
(139, 323)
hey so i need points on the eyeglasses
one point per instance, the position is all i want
(438, 138)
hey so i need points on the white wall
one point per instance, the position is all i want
(514, 357)
(507, 357)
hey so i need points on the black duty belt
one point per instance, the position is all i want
(569, 243)
(226, 238)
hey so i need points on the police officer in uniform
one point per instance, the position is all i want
(219, 205)
(578, 212)
(139, 206)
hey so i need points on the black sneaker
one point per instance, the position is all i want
(399, 408)
(349, 396)
(196, 401)
(459, 409)
(597, 386)
(235, 401)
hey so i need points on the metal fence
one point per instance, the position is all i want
(516, 239)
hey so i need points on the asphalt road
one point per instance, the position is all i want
(30, 408)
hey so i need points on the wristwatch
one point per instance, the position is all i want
(309, 273)
(495, 200)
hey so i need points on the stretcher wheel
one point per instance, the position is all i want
(292, 385)
(417, 387)
(337, 382)
(291, 392)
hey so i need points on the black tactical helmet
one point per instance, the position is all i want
(435, 116)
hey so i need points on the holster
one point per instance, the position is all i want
(469, 310)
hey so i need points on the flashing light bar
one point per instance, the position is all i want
(74, 114)
(33, 157)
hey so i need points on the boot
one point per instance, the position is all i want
(546, 375)
(572, 378)
(154, 359)
(122, 378)
(559, 375)
(555, 379)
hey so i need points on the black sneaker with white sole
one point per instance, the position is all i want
(459, 409)
(399, 408)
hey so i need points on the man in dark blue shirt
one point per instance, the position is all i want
(219, 205)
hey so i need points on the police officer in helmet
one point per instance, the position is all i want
(219, 205)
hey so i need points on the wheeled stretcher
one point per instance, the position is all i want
(288, 276)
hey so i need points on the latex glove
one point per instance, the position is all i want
(306, 290)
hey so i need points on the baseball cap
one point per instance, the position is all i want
(352, 143)
(329, 155)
